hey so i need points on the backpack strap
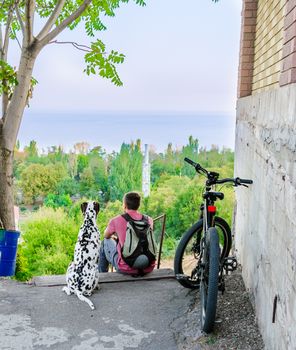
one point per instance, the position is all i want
(128, 218)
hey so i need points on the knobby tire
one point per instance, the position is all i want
(210, 280)
(193, 236)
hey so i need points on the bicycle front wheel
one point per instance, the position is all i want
(209, 281)
(187, 255)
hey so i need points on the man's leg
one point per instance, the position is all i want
(103, 262)
(108, 255)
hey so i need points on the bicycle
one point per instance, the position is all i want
(203, 251)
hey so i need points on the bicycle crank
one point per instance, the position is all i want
(182, 277)
(230, 264)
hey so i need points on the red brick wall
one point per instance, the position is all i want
(288, 73)
(246, 61)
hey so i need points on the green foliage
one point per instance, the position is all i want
(48, 239)
(164, 194)
(111, 210)
(8, 79)
(126, 171)
(67, 186)
(56, 201)
(75, 210)
(185, 210)
(105, 178)
(22, 269)
(169, 247)
(8, 75)
(97, 62)
(39, 180)
(172, 161)
(82, 163)
(32, 149)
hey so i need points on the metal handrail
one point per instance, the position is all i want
(163, 216)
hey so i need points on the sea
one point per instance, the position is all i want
(110, 130)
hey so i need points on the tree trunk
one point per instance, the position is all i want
(8, 135)
(6, 189)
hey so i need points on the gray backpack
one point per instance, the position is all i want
(139, 248)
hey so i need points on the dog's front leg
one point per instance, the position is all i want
(67, 290)
(97, 286)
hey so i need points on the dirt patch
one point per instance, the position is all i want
(236, 328)
(167, 263)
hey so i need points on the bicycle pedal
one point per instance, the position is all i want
(181, 277)
(230, 264)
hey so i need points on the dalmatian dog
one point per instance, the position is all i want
(82, 274)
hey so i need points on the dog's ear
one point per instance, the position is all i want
(83, 207)
(97, 207)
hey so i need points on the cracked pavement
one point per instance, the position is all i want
(148, 315)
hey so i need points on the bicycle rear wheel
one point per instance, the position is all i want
(188, 251)
(209, 281)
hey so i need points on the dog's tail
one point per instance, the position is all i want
(83, 298)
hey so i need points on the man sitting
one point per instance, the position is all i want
(128, 243)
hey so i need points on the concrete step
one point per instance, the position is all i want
(108, 277)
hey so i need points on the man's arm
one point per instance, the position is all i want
(108, 234)
(110, 230)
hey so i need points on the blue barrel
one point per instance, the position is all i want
(8, 248)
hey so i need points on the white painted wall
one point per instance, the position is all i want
(265, 221)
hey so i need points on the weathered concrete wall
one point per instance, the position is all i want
(265, 222)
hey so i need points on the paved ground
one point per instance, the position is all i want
(132, 315)
(145, 315)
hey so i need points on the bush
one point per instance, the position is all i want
(57, 200)
(111, 210)
(169, 247)
(185, 210)
(22, 272)
(48, 240)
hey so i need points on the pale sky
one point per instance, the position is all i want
(180, 56)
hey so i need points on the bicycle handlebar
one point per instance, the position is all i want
(213, 177)
(237, 181)
(197, 166)
(191, 162)
(245, 181)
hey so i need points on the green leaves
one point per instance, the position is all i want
(8, 79)
(140, 2)
(125, 172)
(92, 26)
(99, 63)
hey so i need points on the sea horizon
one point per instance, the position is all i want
(110, 129)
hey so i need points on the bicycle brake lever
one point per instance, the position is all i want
(245, 185)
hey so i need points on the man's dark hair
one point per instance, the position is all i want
(132, 200)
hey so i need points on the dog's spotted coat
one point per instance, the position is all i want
(82, 274)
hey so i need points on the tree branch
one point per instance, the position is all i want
(51, 35)
(1, 42)
(52, 19)
(29, 15)
(19, 18)
(6, 35)
(4, 51)
(76, 45)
